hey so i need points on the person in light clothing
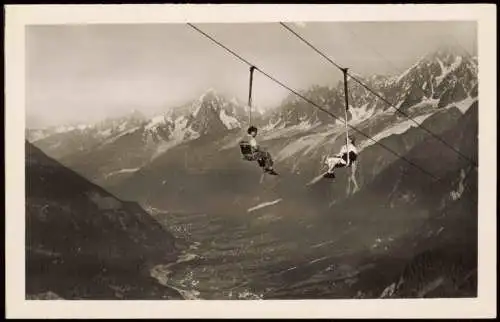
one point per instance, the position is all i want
(340, 159)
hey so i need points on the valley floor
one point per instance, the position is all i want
(230, 258)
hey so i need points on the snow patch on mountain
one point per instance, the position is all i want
(180, 134)
(179, 127)
(308, 143)
(155, 121)
(35, 135)
(123, 126)
(447, 70)
(280, 132)
(66, 128)
(277, 124)
(83, 126)
(199, 103)
(463, 105)
(229, 122)
(105, 133)
(264, 204)
(398, 128)
(360, 114)
(296, 146)
(164, 146)
(426, 103)
(441, 65)
(40, 134)
(121, 171)
(457, 193)
(197, 106)
(114, 138)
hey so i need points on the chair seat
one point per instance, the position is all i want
(247, 151)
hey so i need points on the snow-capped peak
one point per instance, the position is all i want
(230, 122)
(209, 98)
(406, 72)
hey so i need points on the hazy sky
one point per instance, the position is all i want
(83, 73)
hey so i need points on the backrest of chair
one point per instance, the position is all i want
(246, 150)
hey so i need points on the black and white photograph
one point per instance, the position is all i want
(268, 160)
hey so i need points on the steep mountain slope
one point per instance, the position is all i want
(419, 236)
(83, 243)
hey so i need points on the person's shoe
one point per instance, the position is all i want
(271, 171)
(329, 175)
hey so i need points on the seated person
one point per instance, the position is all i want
(340, 159)
(258, 153)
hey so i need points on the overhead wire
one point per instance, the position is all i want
(309, 101)
(377, 94)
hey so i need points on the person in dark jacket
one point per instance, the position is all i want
(259, 153)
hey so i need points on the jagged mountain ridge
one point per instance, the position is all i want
(441, 78)
(210, 113)
(82, 242)
(121, 153)
(61, 141)
(306, 134)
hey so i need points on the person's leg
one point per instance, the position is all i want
(334, 162)
(264, 159)
(260, 158)
(353, 177)
(268, 159)
(352, 158)
(268, 162)
(331, 162)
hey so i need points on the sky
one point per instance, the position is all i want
(85, 73)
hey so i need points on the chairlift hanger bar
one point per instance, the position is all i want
(346, 94)
(252, 68)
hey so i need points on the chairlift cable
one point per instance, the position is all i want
(311, 102)
(437, 137)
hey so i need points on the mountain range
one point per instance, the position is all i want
(416, 198)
